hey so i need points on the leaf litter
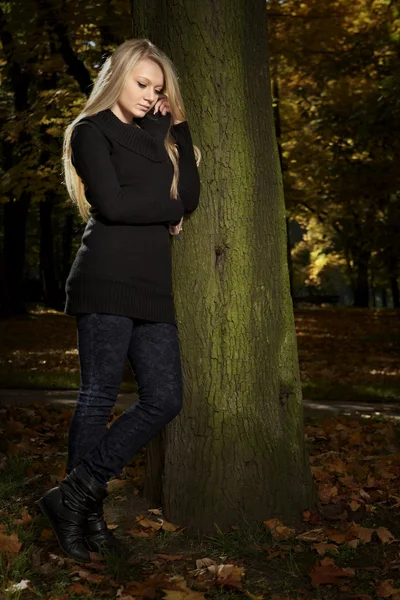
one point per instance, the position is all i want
(356, 469)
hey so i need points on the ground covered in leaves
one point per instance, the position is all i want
(344, 353)
(348, 549)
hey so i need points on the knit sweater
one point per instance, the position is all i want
(123, 265)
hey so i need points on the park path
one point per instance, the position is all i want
(311, 408)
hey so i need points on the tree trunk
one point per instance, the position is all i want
(66, 252)
(15, 209)
(384, 297)
(15, 217)
(361, 285)
(392, 264)
(236, 451)
(51, 292)
(394, 286)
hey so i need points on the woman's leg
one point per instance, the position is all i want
(103, 343)
(154, 355)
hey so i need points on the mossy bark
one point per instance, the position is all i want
(236, 451)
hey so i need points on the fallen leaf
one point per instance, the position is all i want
(46, 534)
(321, 548)
(78, 588)
(149, 523)
(168, 526)
(363, 533)
(328, 572)
(115, 484)
(314, 535)
(278, 530)
(25, 518)
(10, 543)
(384, 535)
(385, 589)
(17, 587)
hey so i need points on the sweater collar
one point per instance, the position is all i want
(131, 136)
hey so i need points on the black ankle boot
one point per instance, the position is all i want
(98, 537)
(68, 506)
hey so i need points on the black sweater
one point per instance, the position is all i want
(123, 265)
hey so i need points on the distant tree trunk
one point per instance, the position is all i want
(361, 280)
(236, 451)
(394, 286)
(15, 217)
(66, 251)
(384, 297)
(51, 291)
(5, 300)
(392, 267)
(15, 209)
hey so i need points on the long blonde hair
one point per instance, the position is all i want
(105, 93)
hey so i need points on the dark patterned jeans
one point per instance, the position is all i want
(104, 343)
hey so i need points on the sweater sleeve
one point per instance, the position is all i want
(119, 204)
(189, 179)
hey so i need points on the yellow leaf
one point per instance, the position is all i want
(46, 534)
(168, 526)
(385, 589)
(149, 523)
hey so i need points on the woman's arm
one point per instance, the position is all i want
(92, 161)
(189, 179)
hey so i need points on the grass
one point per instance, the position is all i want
(319, 391)
(48, 380)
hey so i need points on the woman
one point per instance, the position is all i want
(131, 168)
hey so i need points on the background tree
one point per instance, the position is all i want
(339, 78)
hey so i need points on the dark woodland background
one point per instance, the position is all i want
(336, 89)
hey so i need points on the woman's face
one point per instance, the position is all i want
(141, 91)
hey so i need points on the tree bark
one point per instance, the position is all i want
(236, 451)
(394, 286)
(384, 297)
(66, 251)
(15, 209)
(361, 281)
(50, 284)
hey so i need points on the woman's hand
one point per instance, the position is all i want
(163, 106)
(176, 229)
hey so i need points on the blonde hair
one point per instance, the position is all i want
(105, 93)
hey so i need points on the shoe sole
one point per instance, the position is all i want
(42, 507)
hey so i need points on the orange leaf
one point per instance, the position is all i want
(10, 543)
(338, 536)
(363, 533)
(25, 519)
(78, 588)
(329, 573)
(385, 589)
(384, 535)
(321, 548)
